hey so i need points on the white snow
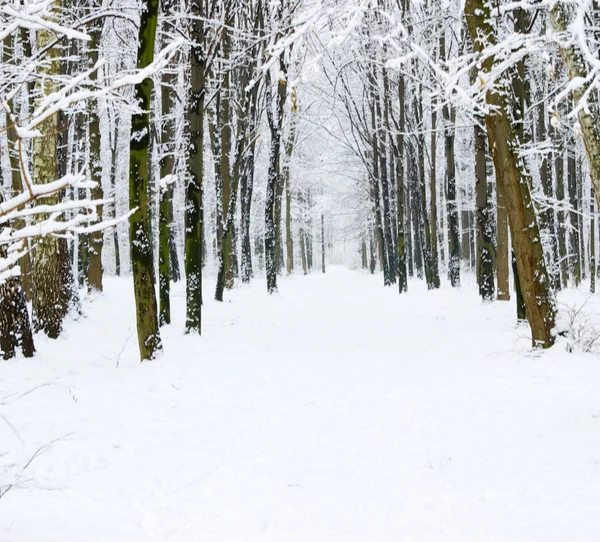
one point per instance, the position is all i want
(336, 410)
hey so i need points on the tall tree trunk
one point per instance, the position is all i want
(430, 273)
(53, 287)
(400, 192)
(376, 196)
(502, 246)
(547, 218)
(141, 242)
(167, 163)
(485, 246)
(275, 119)
(247, 185)
(452, 213)
(15, 328)
(433, 193)
(114, 137)
(574, 258)
(514, 183)
(25, 277)
(227, 192)
(195, 166)
(520, 89)
(96, 239)
(382, 132)
(559, 173)
(289, 149)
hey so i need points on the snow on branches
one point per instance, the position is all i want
(32, 211)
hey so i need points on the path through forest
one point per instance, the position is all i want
(336, 410)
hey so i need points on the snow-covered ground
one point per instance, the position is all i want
(336, 410)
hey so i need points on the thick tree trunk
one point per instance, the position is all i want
(514, 183)
(15, 328)
(53, 287)
(195, 166)
(141, 242)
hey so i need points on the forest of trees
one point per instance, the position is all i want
(167, 140)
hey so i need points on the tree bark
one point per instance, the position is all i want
(95, 270)
(141, 242)
(167, 163)
(453, 225)
(15, 328)
(485, 246)
(195, 167)
(53, 287)
(275, 119)
(514, 183)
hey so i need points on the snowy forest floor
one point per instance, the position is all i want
(336, 410)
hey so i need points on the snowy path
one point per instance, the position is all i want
(334, 411)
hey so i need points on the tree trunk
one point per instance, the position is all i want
(167, 162)
(431, 276)
(141, 242)
(433, 193)
(514, 183)
(485, 246)
(289, 241)
(452, 213)
(502, 249)
(53, 287)
(400, 192)
(195, 165)
(574, 258)
(15, 328)
(96, 239)
(114, 137)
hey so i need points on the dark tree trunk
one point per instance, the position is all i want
(167, 165)
(195, 165)
(485, 247)
(95, 271)
(141, 242)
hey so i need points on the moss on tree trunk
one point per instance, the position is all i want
(141, 242)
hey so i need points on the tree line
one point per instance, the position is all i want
(473, 136)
